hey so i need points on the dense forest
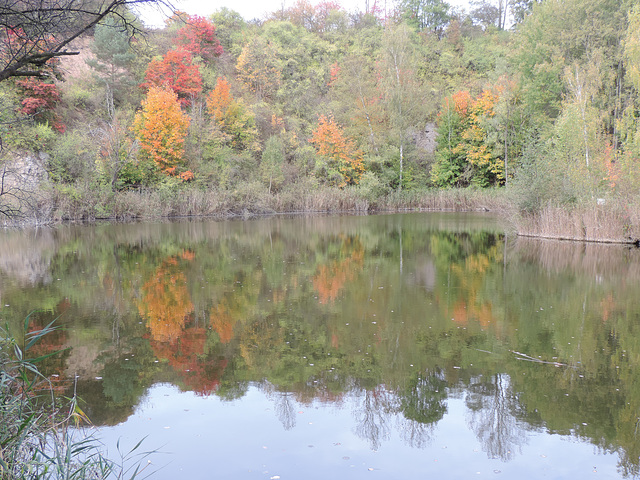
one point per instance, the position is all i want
(528, 104)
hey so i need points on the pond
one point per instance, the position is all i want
(389, 346)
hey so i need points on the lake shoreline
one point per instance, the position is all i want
(618, 221)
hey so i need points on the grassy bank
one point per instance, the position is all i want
(617, 220)
(254, 199)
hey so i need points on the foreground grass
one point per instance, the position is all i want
(40, 436)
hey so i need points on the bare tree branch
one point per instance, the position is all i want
(33, 32)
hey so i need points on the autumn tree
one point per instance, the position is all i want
(219, 100)
(176, 71)
(40, 100)
(198, 37)
(161, 127)
(331, 277)
(468, 150)
(233, 122)
(344, 164)
(166, 302)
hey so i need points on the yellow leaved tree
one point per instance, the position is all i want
(161, 127)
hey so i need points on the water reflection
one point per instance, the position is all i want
(493, 413)
(399, 317)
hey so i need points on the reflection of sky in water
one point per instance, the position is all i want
(205, 437)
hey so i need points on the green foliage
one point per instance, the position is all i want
(73, 158)
(226, 168)
(450, 161)
(371, 188)
(272, 163)
(430, 15)
(231, 30)
(141, 173)
(565, 78)
(39, 137)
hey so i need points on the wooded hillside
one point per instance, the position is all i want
(540, 97)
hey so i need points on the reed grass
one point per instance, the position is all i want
(253, 198)
(611, 222)
(41, 435)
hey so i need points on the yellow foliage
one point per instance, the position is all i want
(161, 128)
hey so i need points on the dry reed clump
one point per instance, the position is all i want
(611, 223)
(455, 200)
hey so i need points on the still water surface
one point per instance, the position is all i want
(391, 346)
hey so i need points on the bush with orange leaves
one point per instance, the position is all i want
(344, 160)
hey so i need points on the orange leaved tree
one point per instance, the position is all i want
(219, 100)
(344, 160)
(161, 127)
(468, 151)
(233, 122)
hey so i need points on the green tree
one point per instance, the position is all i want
(400, 89)
(113, 60)
(428, 15)
(272, 163)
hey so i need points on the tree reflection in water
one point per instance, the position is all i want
(285, 409)
(422, 404)
(492, 407)
(372, 416)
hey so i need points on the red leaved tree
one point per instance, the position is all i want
(40, 100)
(177, 72)
(198, 37)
